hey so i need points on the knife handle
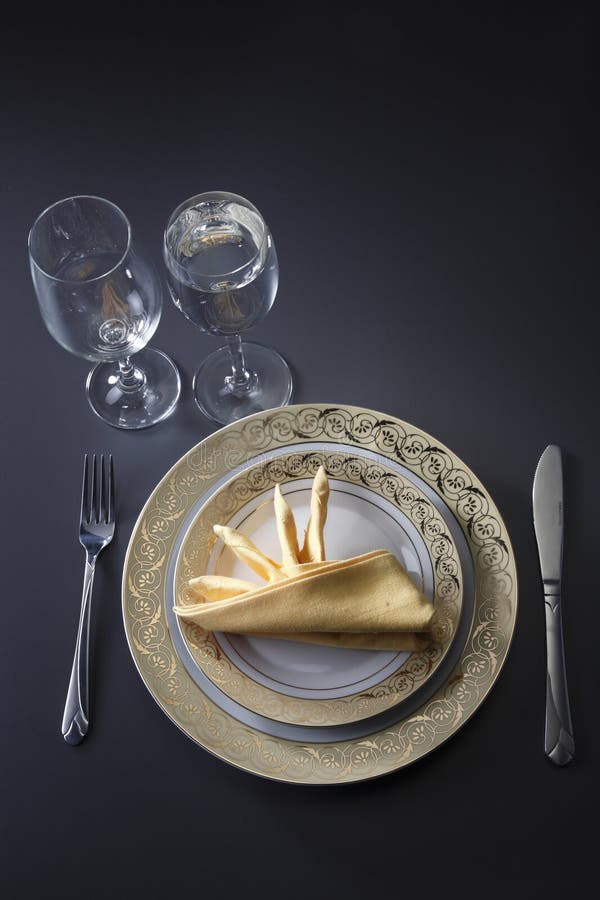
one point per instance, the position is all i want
(559, 743)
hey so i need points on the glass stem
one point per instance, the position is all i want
(240, 379)
(131, 379)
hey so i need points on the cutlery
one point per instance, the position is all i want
(96, 529)
(549, 526)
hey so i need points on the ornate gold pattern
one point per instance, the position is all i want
(342, 761)
(196, 550)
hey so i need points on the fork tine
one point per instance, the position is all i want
(110, 508)
(94, 507)
(102, 497)
(84, 492)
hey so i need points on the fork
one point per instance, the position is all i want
(96, 529)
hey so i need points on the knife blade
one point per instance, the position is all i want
(549, 528)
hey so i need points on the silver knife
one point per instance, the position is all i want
(549, 526)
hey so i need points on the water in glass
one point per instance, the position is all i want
(222, 266)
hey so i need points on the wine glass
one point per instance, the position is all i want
(100, 298)
(223, 276)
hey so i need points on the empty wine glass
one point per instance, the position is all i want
(223, 276)
(100, 298)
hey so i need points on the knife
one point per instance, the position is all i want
(548, 525)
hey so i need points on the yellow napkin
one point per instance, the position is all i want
(366, 602)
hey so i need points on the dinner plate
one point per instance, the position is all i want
(370, 746)
(299, 682)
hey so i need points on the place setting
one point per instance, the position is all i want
(316, 593)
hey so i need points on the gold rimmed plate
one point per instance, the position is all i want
(308, 684)
(355, 750)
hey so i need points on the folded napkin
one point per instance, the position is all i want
(366, 602)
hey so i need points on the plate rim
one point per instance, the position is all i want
(511, 611)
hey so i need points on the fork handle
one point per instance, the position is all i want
(76, 719)
(559, 743)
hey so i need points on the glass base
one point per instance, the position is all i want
(150, 402)
(270, 384)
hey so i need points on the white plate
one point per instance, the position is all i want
(302, 684)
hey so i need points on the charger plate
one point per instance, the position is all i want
(302, 683)
(359, 750)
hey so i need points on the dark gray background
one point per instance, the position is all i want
(431, 187)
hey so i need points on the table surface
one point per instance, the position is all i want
(430, 188)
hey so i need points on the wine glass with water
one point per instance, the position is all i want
(100, 298)
(223, 276)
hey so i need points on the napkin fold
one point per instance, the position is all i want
(365, 602)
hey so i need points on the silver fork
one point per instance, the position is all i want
(96, 529)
